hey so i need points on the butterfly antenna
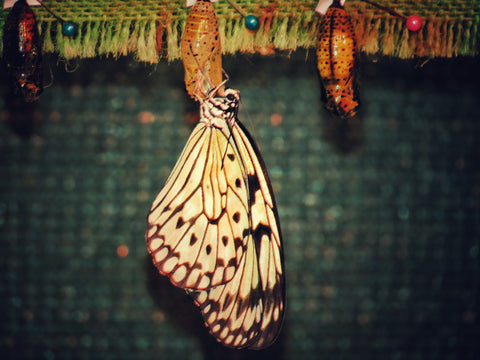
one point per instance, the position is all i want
(228, 122)
(228, 142)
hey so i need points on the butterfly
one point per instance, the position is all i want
(337, 62)
(22, 52)
(201, 50)
(214, 229)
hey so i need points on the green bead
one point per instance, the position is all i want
(69, 28)
(252, 22)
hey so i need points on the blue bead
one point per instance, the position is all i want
(252, 22)
(69, 28)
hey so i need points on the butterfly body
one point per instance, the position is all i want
(214, 231)
(202, 50)
(22, 52)
(337, 62)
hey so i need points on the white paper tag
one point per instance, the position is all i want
(192, 2)
(323, 6)
(9, 3)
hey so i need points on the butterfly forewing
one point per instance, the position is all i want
(247, 312)
(266, 236)
(233, 312)
(265, 226)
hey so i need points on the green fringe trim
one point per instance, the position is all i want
(104, 38)
(151, 30)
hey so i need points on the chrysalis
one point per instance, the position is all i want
(22, 52)
(337, 62)
(202, 51)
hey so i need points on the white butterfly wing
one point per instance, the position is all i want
(198, 221)
(248, 311)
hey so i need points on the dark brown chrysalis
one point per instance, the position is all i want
(22, 52)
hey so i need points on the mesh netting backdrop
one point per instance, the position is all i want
(380, 215)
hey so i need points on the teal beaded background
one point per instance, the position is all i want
(380, 215)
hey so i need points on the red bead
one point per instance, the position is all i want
(414, 23)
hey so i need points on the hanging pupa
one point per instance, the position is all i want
(337, 62)
(202, 51)
(22, 52)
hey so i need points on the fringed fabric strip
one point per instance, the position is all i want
(150, 30)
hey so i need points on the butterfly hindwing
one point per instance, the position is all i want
(197, 221)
